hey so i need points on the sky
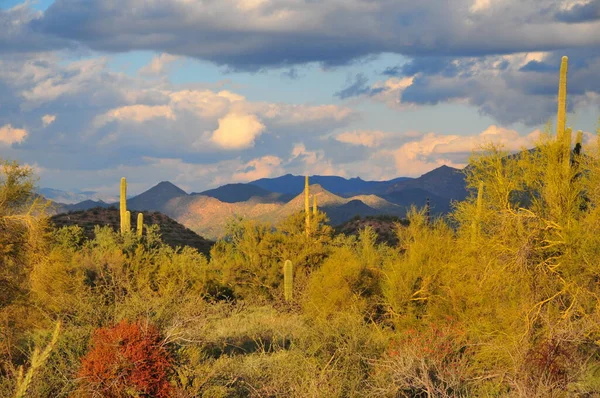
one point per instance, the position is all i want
(208, 92)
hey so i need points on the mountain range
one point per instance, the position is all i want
(273, 199)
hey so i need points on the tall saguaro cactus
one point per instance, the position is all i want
(306, 206)
(562, 99)
(123, 204)
(140, 224)
(288, 280)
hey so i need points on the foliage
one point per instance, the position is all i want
(128, 359)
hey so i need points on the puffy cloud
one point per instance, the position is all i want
(47, 120)
(10, 135)
(237, 131)
(433, 150)
(266, 166)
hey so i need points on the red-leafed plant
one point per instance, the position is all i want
(127, 359)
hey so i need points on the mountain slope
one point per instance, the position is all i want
(172, 232)
(291, 184)
(234, 193)
(446, 182)
(155, 198)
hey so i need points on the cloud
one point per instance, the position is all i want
(432, 150)
(237, 131)
(47, 120)
(516, 88)
(266, 166)
(365, 138)
(158, 65)
(358, 87)
(257, 34)
(579, 12)
(10, 135)
(135, 113)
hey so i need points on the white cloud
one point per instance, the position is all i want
(361, 138)
(263, 167)
(237, 131)
(433, 150)
(10, 135)
(135, 113)
(47, 120)
(158, 65)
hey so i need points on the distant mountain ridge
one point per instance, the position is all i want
(208, 212)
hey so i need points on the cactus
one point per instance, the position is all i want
(562, 99)
(288, 280)
(578, 142)
(306, 206)
(127, 222)
(427, 212)
(315, 205)
(140, 224)
(37, 361)
(123, 203)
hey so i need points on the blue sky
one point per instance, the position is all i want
(204, 93)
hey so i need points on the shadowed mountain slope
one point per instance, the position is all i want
(172, 232)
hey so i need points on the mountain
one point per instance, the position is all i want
(172, 232)
(56, 195)
(418, 197)
(340, 214)
(291, 184)
(446, 182)
(384, 226)
(234, 193)
(155, 198)
(273, 199)
(86, 204)
(208, 216)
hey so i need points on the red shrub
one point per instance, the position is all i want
(125, 360)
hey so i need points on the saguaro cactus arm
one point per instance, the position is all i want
(140, 224)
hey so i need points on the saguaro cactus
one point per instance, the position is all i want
(306, 206)
(123, 203)
(140, 224)
(562, 99)
(288, 280)
(427, 211)
(578, 142)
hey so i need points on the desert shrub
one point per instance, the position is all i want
(431, 361)
(348, 280)
(128, 359)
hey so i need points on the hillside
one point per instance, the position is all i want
(384, 226)
(172, 232)
(156, 197)
(234, 193)
(446, 182)
(291, 184)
